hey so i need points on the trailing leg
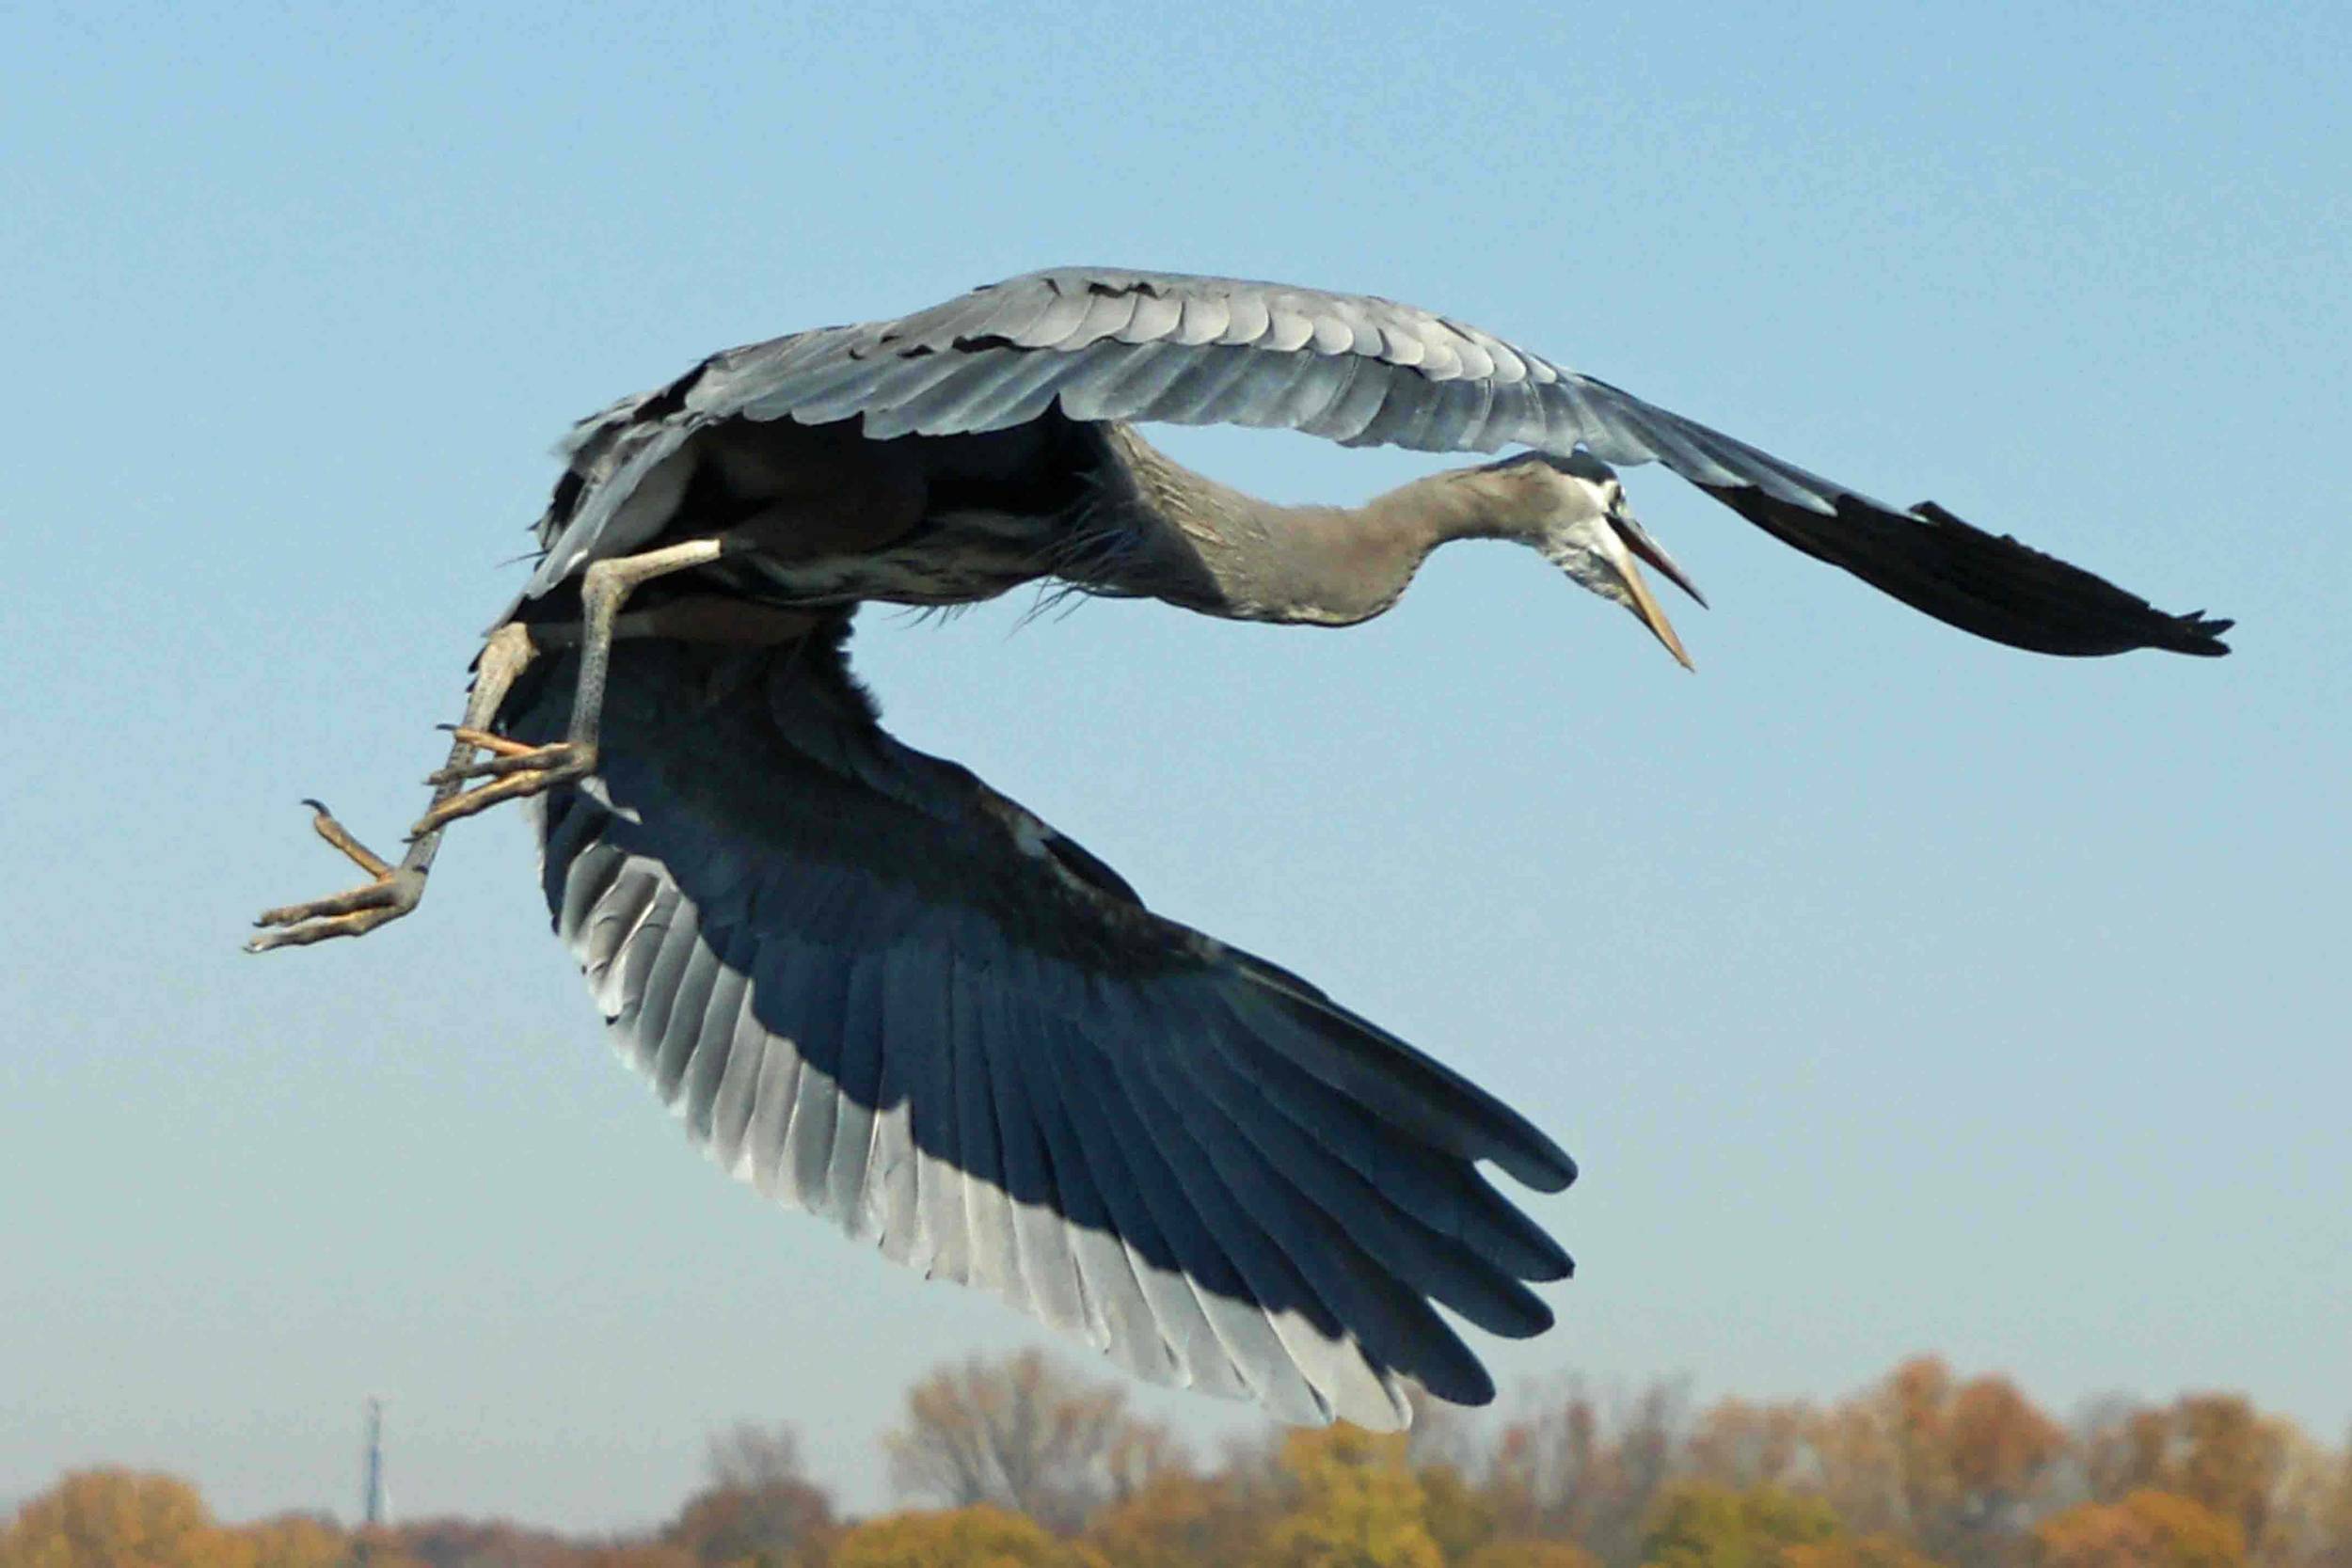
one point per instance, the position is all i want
(393, 891)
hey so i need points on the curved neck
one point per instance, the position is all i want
(1211, 547)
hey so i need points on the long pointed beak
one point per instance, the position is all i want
(1635, 541)
(1646, 605)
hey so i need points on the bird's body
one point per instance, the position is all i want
(883, 992)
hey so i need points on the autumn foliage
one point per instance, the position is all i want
(1022, 1463)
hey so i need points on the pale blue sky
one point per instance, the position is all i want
(1895, 991)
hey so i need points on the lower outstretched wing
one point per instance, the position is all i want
(885, 994)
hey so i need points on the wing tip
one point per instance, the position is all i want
(2200, 634)
(2133, 623)
(1532, 1159)
(1984, 583)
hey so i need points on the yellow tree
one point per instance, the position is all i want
(2146, 1529)
(975, 1537)
(1460, 1518)
(120, 1519)
(1694, 1525)
(1181, 1521)
(1522, 1552)
(1360, 1505)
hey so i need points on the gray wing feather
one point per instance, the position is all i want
(858, 1095)
(1106, 316)
(735, 1100)
(689, 978)
(892, 1194)
(1118, 383)
(938, 1136)
(1246, 319)
(1156, 317)
(1086, 1286)
(993, 1262)
(1340, 1282)
(774, 1084)
(883, 994)
(1060, 316)
(1181, 1313)
(720, 1009)
(1429, 1252)
(1204, 321)
(1040, 1237)
(1251, 1336)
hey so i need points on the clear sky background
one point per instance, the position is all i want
(1896, 990)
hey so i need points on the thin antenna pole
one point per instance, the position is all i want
(371, 1508)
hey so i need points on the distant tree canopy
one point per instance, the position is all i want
(1044, 1467)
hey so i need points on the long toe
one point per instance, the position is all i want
(508, 784)
(351, 913)
(561, 760)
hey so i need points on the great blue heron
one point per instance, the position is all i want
(884, 992)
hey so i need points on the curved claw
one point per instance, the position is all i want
(391, 892)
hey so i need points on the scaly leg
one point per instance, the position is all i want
(393, 891)
(517, 772)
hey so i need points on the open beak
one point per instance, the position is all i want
(1637, 542)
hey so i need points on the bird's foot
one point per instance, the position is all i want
(392, 892)
(513, 771)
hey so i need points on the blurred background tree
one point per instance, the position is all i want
(759, 1507)
(1027, 1436)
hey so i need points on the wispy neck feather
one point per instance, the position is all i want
(1211, 547)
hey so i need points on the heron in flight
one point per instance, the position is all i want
(883, 992)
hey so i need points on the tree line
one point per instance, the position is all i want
(1020, 1463)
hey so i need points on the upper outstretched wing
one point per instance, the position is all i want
(883, 993)
(1103, 344)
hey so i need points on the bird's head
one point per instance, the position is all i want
(1577, 514)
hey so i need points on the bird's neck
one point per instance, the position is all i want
(1230, 553)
